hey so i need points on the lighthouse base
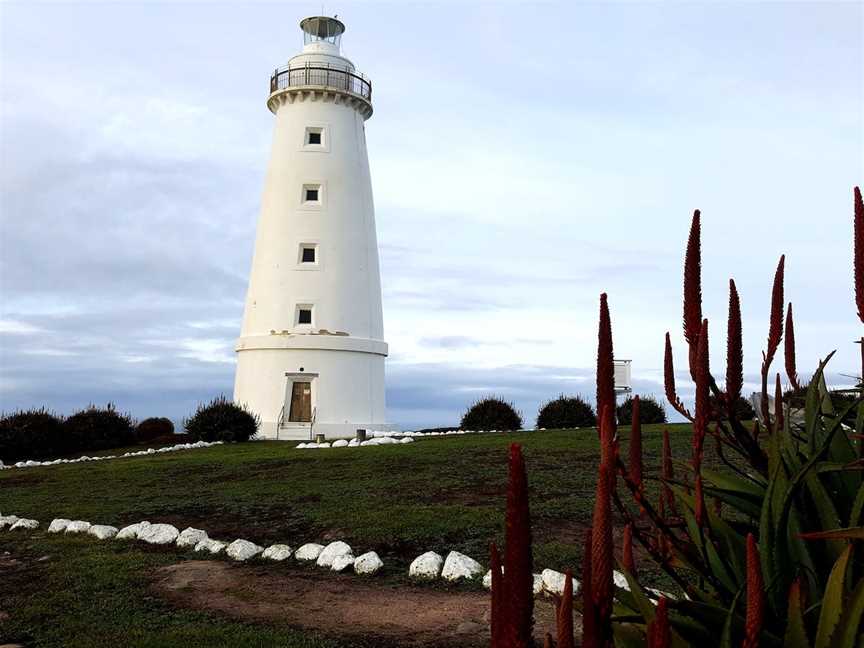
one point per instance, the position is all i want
(301, 392)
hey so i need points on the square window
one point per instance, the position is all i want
(304, 316)
(314, 137)
(311, 195)
(308, 255)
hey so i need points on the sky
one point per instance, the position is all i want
(525, 158)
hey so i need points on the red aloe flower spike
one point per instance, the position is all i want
(627, 552)
(859, 253)
(693, 290)
(607, 440)
(667, 471)
(734, 350)
(605, 366)
(564, 617)
(659, 633)
(699, 499)
(602, 556)
(755, 594)
(589, 612)
(669, 381)
(778, 406)
(703, 405)
(789, 349)
(635, 447)
(547, 642)
(498, 596)
(518, 578)
(775, 332)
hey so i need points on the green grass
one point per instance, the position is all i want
(440, 494)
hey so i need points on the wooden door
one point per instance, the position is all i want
(301, 403)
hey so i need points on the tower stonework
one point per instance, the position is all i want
(310, 357)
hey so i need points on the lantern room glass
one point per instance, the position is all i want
(322, 28)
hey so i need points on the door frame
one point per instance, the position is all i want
(290, 378)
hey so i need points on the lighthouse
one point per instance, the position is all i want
(310, 357)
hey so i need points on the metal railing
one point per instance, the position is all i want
(322, 75)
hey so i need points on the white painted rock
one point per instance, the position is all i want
(553, 581)
(427, 567)
(342, 562)
(158, 534)
(78, 526)
(538, 585)
(332, 551)
(340, 443)
(190, 537)
(308, 552)
(459, 566)
(102, 531)
(368, 564)
(57, 525)
(128, 532)
(24, 523)
(243, 550)
(7, 521)
(211, 546)
(406, 440)
(620, 580)
(278, 552)
(487, 579)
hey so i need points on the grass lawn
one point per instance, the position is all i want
(441, 494)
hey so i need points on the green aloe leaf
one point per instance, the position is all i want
(832, 602)
(813, 404)
(726, 637)
(796, 631)
(829, 519)
(857, 507)
(849, 533)
(734, 484)
(850, 625)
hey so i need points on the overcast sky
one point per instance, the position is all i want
(525, 158)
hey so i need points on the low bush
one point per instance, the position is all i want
(98, 428)
(154, 428)
(743, 408)
(650, 410)
(491, 414)
(566, 412)
(31, 434)
(221, 420)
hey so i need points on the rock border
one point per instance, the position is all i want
(395, 437)
(125, 455)
(336, 556)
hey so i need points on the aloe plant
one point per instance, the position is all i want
(776, 559)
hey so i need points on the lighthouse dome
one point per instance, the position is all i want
(322, 37)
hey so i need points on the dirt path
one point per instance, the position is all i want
(338, 607)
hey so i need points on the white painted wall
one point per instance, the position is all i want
(345, 343)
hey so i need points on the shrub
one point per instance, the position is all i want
(566, 412)
(154, 428)
(221, 420)
(31, 434)
(491, 414)
(98, 428)
(743, 409)
(650, 410)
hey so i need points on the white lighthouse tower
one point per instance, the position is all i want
(310, 357)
